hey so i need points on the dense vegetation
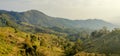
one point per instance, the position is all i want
(98, 43)
(33, 33)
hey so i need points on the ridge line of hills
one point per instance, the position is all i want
(33, 33)
(34, 21)
(38, 18)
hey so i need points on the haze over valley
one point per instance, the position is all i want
(59, 28)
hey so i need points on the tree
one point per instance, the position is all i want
(78, 46)
(99, 33)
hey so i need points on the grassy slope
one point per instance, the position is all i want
(12, 42)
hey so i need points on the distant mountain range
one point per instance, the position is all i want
(86, 35)
(34, 18)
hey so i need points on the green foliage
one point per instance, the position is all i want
(100, 32)
(33, 33)
(104, 41)
(72, 49)
(41, 44)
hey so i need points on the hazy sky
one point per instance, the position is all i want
(108, 10)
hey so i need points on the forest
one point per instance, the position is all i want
(33, 33)
(97, 43)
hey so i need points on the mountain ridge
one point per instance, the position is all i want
(38, 18)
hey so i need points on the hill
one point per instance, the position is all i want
(104, 41)
(37, 18)
(33, 33)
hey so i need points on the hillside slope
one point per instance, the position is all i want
(37, 18)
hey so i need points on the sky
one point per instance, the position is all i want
(108, 10)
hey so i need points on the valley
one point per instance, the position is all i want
(33, 33)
